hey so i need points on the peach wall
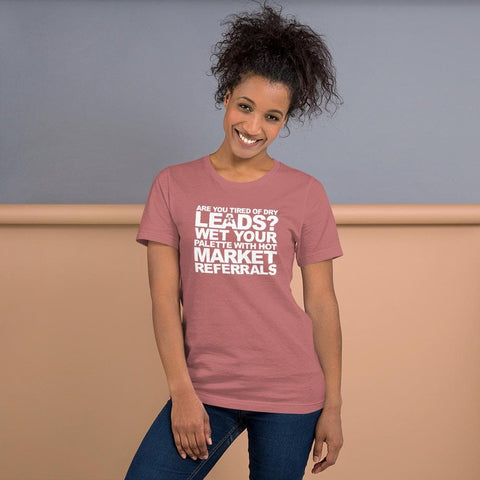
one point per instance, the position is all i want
(82, 379)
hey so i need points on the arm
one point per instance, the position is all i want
(189, 419)
(321, 306)
(164, 278)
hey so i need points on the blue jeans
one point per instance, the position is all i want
(279, 445)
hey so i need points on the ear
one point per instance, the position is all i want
(227, 98)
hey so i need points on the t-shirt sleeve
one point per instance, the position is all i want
(318, 238)
(157, 223)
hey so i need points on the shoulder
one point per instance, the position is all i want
(298, 178)
(179, 171)
(309, 189)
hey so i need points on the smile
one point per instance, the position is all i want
(246, 140)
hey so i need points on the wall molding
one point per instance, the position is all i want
(351, 214)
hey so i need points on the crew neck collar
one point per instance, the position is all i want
(239, 185)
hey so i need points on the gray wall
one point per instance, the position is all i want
(97, 96)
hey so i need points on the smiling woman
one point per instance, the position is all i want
(222, 232)
(255, 113)
(289, 74)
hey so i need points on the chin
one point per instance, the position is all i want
(246, 155)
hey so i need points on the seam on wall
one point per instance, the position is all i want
(351, 214)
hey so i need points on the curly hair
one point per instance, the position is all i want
(283, 51)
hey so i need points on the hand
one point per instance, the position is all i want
(190, 426)
(328, 430)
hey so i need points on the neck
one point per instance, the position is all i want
(226, 159)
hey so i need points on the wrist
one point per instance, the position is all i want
(333, 404)
(181, 390)
(332, 408)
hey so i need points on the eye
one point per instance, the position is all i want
(273, 117)
(243, 106)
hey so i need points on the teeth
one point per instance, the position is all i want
(245, 139)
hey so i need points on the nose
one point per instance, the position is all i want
(253, 126)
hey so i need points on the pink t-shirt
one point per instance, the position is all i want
(248, 344)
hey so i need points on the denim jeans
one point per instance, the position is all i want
(279, 445)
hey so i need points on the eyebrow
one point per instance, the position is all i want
(273, 110)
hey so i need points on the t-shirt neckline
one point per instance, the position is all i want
(231, 184)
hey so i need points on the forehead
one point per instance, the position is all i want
(264, 93)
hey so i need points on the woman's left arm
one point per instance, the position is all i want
(321, 306)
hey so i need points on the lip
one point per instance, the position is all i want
(246, 145)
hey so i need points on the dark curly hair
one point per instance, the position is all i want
(282, 50)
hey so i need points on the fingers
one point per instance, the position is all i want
(332, 455)
(329, 460)
(207, 430)
(179, 445)
(192, 442)
(317, 451)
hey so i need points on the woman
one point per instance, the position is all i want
(222, 232)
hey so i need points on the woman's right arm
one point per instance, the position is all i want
(190, 423)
